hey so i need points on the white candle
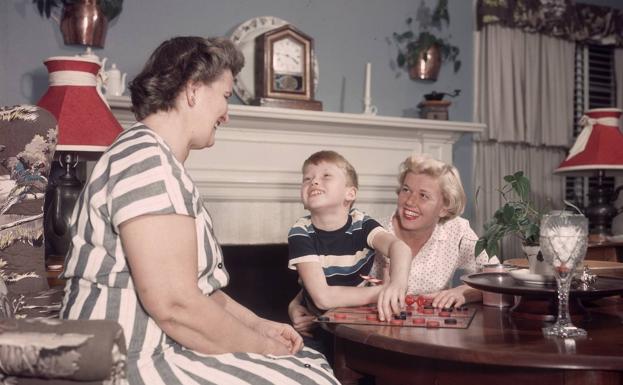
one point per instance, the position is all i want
(366, 96)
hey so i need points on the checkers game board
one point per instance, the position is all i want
(416, 315)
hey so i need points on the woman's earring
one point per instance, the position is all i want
(192, 101)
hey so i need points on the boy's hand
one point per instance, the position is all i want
(302, 319)
(391, 300)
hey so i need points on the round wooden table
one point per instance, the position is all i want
(496, 348)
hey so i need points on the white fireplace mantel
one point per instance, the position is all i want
(250, 178)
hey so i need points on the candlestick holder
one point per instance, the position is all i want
(369, 109)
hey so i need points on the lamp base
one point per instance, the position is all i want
(601, 210)
(62, 196)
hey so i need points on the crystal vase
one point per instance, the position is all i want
(564, 239)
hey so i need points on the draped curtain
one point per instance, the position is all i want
(525, 97)
(524, 93)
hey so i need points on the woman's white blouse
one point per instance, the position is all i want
(449, 249)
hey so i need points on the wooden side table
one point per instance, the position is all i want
(605, 251)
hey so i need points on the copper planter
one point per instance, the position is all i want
(427, 65)
(84, 23)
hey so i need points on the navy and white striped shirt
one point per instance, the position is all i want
(344, 254)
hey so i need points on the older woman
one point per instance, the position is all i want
(143, 250)
(430, 200)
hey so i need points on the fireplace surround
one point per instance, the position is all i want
(250, 182)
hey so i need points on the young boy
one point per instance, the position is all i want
(335, 245)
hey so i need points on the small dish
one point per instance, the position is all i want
(524, 276)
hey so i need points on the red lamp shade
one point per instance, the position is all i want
(599, 146)
(85, 123)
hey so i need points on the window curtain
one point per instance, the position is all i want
(525, 98)
(565, 19)
(524, 93)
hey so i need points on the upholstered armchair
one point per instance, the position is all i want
(35, 345)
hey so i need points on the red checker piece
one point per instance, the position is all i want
(340, 316)
(410, 299)
(419, 321)
(432, 324)
(425, 311)
(372, 317)
(396, 321)
(444, 314)
(421, 300)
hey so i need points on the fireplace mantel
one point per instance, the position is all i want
(250, 178)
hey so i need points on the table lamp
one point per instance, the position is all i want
(86, 127)
(598, 152)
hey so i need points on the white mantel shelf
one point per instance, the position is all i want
(253, 117)
(250, 178)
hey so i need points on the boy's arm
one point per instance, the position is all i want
(326, 297)
(391, 299)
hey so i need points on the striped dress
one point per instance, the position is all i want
(139, 175)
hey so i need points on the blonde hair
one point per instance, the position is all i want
(449, 181)
(336, 159)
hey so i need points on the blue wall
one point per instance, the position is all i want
(347, 33)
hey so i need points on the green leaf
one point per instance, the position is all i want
(521, 185)
(493, 247)
(400, 59)
(111, 8)
(457, 65)
(480, 246)
(508, 213)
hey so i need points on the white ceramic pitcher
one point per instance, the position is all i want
(115, 81)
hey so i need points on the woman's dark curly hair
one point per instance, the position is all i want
(175, 63)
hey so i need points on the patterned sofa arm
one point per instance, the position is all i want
(91, 351)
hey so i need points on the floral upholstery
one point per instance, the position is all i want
(35, 346)
(28, 139)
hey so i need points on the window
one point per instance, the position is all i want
(594, 88)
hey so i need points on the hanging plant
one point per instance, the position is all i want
(110, 8)
(412, 44)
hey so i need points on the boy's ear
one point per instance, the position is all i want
(351, 193)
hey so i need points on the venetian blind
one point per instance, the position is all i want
(595, 87)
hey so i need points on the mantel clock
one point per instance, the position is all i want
(284, 76)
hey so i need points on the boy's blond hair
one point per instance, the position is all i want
(336, 159)
(449, 181)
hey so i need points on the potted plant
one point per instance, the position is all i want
(82, 22)
(421, 53)
(518, 217)
(110, 8)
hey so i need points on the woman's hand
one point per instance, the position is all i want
(449, 298)
(391, 300)
(302, 319)
(287, 340)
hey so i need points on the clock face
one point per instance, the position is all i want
(288, 57)
(288, 65)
